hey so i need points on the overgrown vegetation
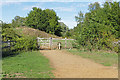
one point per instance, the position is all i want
(26, 65)
(99, 28)
(20, 42)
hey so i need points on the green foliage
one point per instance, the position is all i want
(65, 29)
(45, 20)
(26, 43)
(4, 25)
(68, 34)
(20, 42)
(98, 29)
(79, 18)
(18, 21)
(8, 33)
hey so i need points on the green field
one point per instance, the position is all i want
(27, 65)
(102, 57)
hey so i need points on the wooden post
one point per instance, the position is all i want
(50, 43)
(38, 43)
(59, 45)
(65, 42)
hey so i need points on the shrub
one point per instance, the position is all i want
(26, 43)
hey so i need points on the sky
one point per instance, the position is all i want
(66, 10)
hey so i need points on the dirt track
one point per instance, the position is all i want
(71, 66)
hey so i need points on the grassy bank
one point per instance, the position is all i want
(27, 65)
(102, 57)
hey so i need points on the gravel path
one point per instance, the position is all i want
(72, 66)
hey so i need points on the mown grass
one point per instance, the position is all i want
(27, 65)
(102, 57)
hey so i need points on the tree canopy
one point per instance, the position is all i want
(18, 21)
(100, 27)
(45, 20)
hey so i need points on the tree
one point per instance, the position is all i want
(94, 6)
(68, 34)
(54, 26)
(99, 28)
(64, 27)
(45, 20)
(18, 21)
(8, 33)
(79, 18)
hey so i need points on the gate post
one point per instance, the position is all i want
(59, 45)
(50, 43)
(65, 42)
(38, 43)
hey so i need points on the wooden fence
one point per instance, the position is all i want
(50, 43)
(7, 44)
(54, 43)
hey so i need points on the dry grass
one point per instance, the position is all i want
(34, 32)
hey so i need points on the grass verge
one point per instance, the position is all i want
(26, 65)
(105, 58)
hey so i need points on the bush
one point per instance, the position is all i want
(26, 43)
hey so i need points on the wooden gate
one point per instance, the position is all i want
(54, 43)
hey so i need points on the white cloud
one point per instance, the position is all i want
(9, 3)
(70, 24)
(29, 7)
(56, 0)
(39, 0)
(52, 0)
(63, 9)
(101, 4)
(79, 5)
(38, 5)
(0, 13)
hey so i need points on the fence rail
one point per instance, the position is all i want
(8, 44)
(55, 38)
(50, 43)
